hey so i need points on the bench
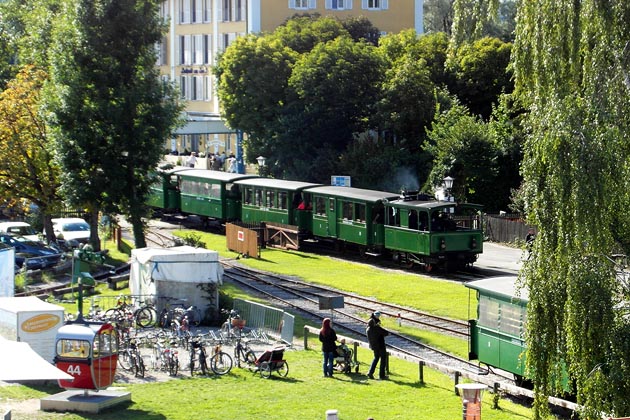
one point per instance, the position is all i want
(114, 281)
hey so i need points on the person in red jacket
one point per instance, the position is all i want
(328, 337)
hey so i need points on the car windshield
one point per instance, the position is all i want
(21, 230)
(76, 227)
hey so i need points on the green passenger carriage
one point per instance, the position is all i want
(350, 215)
(213, 194)
(164, 192)
(497, 335)
(275, 201)
(421, 230)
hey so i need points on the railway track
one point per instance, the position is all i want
(304, 298)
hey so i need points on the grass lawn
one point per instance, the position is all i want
(303, 394)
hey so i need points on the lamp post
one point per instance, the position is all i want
(261, 164)
(448, 184)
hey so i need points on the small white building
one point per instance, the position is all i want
(190, 274)
(33, 321)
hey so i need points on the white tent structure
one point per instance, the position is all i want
(184, 272)
(19, 362)
(7, 275)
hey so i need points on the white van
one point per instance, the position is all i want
(71, 229)
(19, 229)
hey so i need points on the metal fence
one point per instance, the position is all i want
(272, 321)
(508, 228)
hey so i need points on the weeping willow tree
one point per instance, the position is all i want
(571, 61)
(572, 71)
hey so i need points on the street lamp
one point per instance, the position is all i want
(261, 164)
(448, 184)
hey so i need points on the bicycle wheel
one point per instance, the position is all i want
(221, 363)
(265, 370)
(283, 368)
(194, 316)
(140, 368)
(164, 321)
(124, 360)
(144, 317)
(192, 362)
(237, 356)
(203, 364)
(250, 359)
(173, 366)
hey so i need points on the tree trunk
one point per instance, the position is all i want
(95, 241)
(138, 226)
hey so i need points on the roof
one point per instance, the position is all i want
(353, 193)
(277, 183)
(505, 286)
(432, 204)
(176, 169)
(27, 304)
(214, 175)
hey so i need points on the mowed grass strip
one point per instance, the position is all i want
(303, 394)
(439, 297)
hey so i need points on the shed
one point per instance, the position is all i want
(179, 272)
(33, 321)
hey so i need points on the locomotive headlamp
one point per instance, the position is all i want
(474, 243)
(443, 244)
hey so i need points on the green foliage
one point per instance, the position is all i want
(481, 74)
(194, 239)
(567, 64)
(110, 111)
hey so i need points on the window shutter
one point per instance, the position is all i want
(328, 4)
(312, 4)
(220, 12)
(384, 4)
(364, 4)
(291, 4)
(348, 4)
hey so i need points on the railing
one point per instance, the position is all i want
(273, 321)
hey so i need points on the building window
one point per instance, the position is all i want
(375, 4)
(198, 48)
(207, 88)
(207, 10)
(184, 11)
(164, 12)
(185, 55)
(207, 49)
(196, 90)
(302, 4)
(339, 4)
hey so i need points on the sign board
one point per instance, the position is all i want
(331, 302)
(241, 236)
(340, 181)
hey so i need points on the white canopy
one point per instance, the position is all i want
(184, 264)
(19, 362)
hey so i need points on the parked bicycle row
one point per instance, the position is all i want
(198, 353)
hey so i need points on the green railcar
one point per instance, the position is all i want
(497, 335)
(164, 192)
(213, 194)
(276, 201)
(350, 215)
(421, 230)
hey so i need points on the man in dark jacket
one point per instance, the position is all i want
(376, 337)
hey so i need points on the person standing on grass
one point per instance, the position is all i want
(376, 337)
(328, 337)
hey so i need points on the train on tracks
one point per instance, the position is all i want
(413, 228)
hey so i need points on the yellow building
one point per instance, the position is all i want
(199, 29)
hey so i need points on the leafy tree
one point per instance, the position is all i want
(438, 16)
(27, 169)
(470, 18)
(253, 76)
(360, 28)
(571, 67)
(111, 113)
(481, 74)
(465, 149)
(303, 33)
(335, 85)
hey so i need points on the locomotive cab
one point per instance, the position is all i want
(88, 352)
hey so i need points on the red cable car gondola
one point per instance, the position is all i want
(88, 352)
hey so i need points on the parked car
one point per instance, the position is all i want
(20, 229)
(34, 254)
(69, 230)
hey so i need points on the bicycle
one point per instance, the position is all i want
(220, 361)
(146, 315)
(233, 327)
(130, 358)
(197, 355)
(242, 352)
